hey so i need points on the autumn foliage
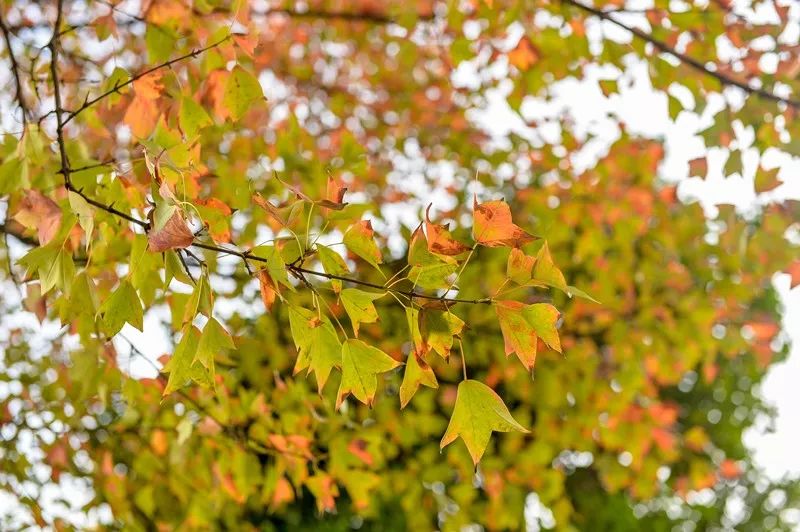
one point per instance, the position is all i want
(372, 311)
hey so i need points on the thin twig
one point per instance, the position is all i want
(15, 71)
(91, 101)
(685, 59)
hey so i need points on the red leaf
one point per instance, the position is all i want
(174, 235)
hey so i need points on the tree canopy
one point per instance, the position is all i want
(378, 313)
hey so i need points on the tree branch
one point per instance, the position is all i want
(411, 294)
(91, 101)
(14, 70)
(54, 45)
(349, 16)
(685, 59)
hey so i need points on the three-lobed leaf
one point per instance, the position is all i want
(478, 412)
(361, 364)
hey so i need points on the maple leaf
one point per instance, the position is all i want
(438, 328)
(359, 306)
(428, 270)
(334, 264)
(522, 326)
(524, 55)
(361, 364)
(268, 288)
(325, 491)
(478, 412)
(318, 346)
(492, 226)
(334, 196)
(241, 91)
(440, 240)
(519, 267)
(546, 271)
(359, 239)
(142, 114)
(123, 306)
(179, 365)
(40, 213)
(417, 373)
(214, 341)
(173, 233)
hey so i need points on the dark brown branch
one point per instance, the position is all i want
(54, 45)
(14, 70)
(91, 101)
(411, 294)
(348, 16)
(685, 59)
(102, 206)
(13, 228)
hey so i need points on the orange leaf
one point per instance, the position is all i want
(149, 86)
(439, 238)
(524, 55)
(358, 448)
(269, 289)
(730, 469)
(283, 492)
(794, 272)
(335, 191)
(493, 226)
(141, 116)
(324, 490)
(174, 235)
(159, 443)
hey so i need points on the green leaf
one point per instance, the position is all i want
(361, 365)
(215, 339)
(359, 306)
(54, 266)
(334, 264)
(192, 117)
(438, 327)
(417, 372)
(428, 270)
(359, 239)
(276, 267)
(522, 326)
(201, 301)
(519, 266)
(123, 306)
(179, 365)
(173, 269)
(85, 214)
(242, 89)
(734, 163)
(478, 412)
(545, 271)
(577, 292)
(160, 44)
(319, 349)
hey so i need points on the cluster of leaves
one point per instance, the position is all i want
(174, 192)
